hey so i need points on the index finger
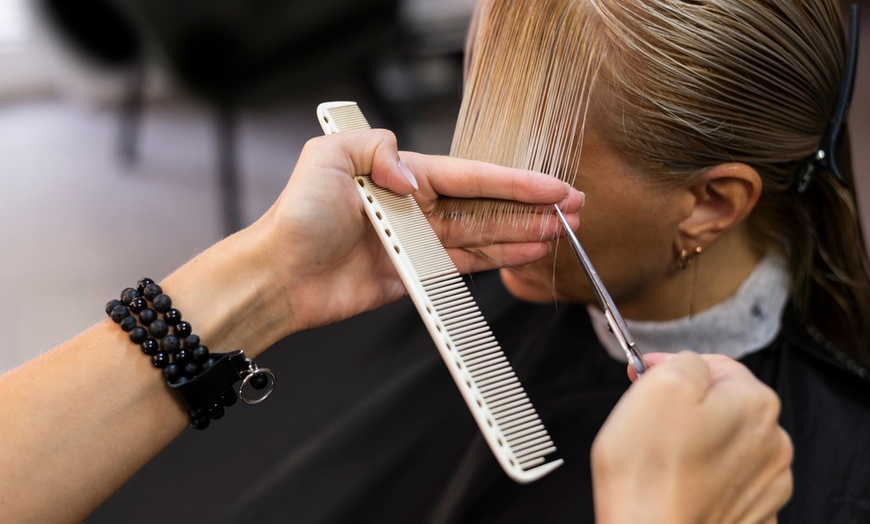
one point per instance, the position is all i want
(720, 366)
(463, 178)
(684, 373)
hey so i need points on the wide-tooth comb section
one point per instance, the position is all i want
(482, 372)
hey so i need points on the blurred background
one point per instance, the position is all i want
(135, 133)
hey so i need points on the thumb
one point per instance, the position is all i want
(388, 169)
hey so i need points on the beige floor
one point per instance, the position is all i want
(76, 226)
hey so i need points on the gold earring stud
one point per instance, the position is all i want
(685, 256)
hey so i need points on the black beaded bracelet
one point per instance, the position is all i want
(202, 380)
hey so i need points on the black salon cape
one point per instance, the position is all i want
(367, 426)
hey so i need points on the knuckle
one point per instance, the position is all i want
(670, 381)
(786, 448)
(313, 143)
(767, 402)
(603, 451)
(386, 136)
(771, 402)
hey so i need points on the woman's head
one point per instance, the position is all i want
(637, 101)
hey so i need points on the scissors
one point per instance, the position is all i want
(614, 319)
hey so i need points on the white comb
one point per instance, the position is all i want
(500, 406)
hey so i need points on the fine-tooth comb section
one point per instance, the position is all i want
(494, 395)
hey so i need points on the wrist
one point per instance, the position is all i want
(203, 380)
(230, 295)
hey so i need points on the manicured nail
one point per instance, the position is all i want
(409, 175)
(564, 203)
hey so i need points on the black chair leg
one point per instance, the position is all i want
(228, 169)
(131, 117)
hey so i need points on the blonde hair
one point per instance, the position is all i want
(680, 86)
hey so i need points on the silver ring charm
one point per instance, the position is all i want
(252, 371)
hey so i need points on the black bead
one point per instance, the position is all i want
(144, 281)
(147, 316)
(172, 316)
(191, 369)
(159, 328)
(180, 381)
(172, 372)
(170, 344)
(128, 324)
(191, 341)
(183, 329)
(160, 360)
(199, 354)
(215, 412)
(182, 356)
(138, 304)
(119, 313)
(150, 346)
(229, 397)
(199, 423)
(110, 305)
(162, 302)
(259, 381)
(199, 418)
(129, 294)
(209, 363)
(151, 291)
(138, 334)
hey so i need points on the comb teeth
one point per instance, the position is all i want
(491, 389)
(341, 116)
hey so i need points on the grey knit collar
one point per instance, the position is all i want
(744, 323)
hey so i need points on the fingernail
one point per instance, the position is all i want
(409, 175)
(564, 203)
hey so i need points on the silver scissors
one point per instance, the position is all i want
(614, 319)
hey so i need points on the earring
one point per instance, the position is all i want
(685, 256)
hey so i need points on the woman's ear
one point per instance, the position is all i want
(724, 195)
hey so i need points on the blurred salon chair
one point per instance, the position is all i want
(235, 53)
(101, 33)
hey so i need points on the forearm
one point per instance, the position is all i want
(94, 410)
(88, 413)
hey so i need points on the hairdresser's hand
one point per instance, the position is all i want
(311, 259)
(326, 251)
(696, 439)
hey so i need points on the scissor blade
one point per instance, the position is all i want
(614, 319)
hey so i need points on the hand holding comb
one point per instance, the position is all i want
(503, 412)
